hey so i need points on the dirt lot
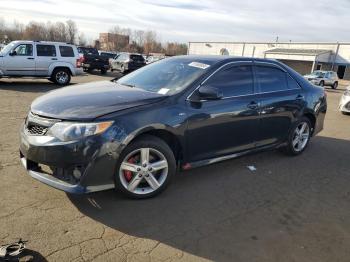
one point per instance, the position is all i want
(290, 209)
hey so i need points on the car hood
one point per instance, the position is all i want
(88, 101)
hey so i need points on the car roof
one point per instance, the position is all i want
(42, 42)
(214, 59)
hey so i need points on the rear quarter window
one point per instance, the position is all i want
(66, 51)
(46, 50)
(292, 84)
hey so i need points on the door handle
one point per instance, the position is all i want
(53, 58)
(30, 58)
(253, 105)
(300, 97)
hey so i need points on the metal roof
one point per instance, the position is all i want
(293, 51)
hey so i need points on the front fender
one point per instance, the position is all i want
(130, 137)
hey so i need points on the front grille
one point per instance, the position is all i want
(36, 130)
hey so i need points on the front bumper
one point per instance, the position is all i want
(344, 105)
(315, 82)
(74, 167)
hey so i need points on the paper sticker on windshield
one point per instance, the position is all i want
(199, 65)
(163, 91)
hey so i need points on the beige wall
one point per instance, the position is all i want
(302, 67)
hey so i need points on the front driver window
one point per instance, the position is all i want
(234, 81)
(24, 50)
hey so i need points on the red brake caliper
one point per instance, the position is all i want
(127, 173)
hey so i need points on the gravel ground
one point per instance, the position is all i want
(290, 209)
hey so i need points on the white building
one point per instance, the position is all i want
(303, 57)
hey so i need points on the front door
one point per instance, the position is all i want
(21, 62)
(228, 125)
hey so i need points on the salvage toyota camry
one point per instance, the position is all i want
(134, 133)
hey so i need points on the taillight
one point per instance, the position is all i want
(79, 61)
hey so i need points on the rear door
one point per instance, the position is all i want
(46, 55)
(22, 63)
(281, 100)
(66, 54)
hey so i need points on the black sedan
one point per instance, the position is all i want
(133, 133)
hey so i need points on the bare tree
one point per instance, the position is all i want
(72, 31)
(82, 40)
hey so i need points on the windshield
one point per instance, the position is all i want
(318, 74)
(7, 48)
(168, 76)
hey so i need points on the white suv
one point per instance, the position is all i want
(52, 60)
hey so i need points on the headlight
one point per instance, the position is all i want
(68, 131)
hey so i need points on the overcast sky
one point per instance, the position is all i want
(196, 20)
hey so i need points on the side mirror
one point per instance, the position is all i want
(13, 53)
(209, 93)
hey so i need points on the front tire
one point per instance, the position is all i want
(335, 85)
(61, 76)
(299, 137)
(144, 168)
(322, 83)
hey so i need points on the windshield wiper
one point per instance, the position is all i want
(129, 85)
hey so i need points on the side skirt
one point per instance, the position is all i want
(187, 166)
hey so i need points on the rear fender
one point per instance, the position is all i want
(53, 66)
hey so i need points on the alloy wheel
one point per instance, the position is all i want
(143, 171)
(301, 136)
(62, 77)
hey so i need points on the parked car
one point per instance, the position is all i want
(127, 62)
(53, 60)
(92, 60)
(109, 55)
(323, 78)
(344, 105)
(187, 111)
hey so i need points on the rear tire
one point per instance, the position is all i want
(103, 71)
(61, 76)
(335, 85)
(299, 137)
(144, 168)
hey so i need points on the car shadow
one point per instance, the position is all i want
(28, 85)
(225, 212)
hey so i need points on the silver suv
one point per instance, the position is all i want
(323, 78)
(53, 60)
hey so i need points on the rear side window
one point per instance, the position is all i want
(271, 79)
(234, 81)
(66, 51)
(46, 50)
